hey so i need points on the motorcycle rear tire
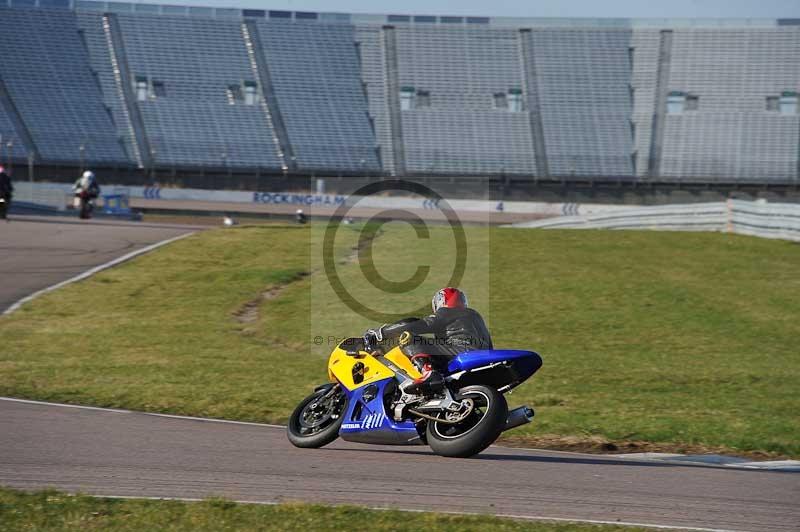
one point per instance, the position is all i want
(316, 440)
(479, 436)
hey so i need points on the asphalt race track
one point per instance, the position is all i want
(39, 251)
(123, 453)
(133, 454)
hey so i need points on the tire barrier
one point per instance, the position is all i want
(754, 218)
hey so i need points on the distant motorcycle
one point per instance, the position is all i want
(85, 204)
(86, 191)
(365, 401)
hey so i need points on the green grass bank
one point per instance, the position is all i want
(676, 339)
(55, 511)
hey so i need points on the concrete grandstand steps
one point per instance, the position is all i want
(49, 80)
(590, 97)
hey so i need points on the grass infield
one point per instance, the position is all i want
(677, 339)
(52, 510)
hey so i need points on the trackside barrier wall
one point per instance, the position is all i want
(56, 196)
(755, 218)
(310, 200)
(767, 220)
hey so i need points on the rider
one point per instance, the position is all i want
(87, 182)
(6, 189)
(86, 188)
(456, 328)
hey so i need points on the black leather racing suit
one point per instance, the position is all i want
(456, 330)
(6, 188)
(6, 192)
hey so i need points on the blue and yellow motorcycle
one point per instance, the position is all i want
(366, 400)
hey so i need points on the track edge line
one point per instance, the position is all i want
(92, 271)
(417, 510)
(139, 412)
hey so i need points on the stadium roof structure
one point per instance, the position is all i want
(426, 20)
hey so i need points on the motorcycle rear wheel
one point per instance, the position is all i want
(317, 419)
(478, 431)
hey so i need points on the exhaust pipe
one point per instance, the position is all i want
(519, 416)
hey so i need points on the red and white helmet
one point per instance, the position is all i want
(449, 297)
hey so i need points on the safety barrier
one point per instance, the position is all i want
(767, 220)
(310, 200)
(55, 196)
(755, 218)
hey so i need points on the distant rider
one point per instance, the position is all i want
(85, 189)
(456, 328)
(6, 192)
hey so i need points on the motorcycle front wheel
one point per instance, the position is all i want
(477, 431)
(317, 419)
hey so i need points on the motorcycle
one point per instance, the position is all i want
(3, 208)
(84, 202)
(365, 400)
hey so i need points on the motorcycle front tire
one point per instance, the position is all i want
(316, 440)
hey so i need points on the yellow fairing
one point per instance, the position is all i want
(396, 357)
(340, 368)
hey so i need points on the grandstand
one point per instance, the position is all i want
(150, 89)
(50, 89)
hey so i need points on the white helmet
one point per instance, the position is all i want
(88, 174)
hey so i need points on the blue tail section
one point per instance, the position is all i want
(476, 367)
(476, 359)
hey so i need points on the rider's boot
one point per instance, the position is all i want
(430, 382)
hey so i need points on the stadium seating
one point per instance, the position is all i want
(732, 134)
(178, 87)
(45, 68)
(91, 25)
(9, 135)
(315, 72)
(193, 122)
(458, 130)
(584, 79)
(372, 74)
(644, 73)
